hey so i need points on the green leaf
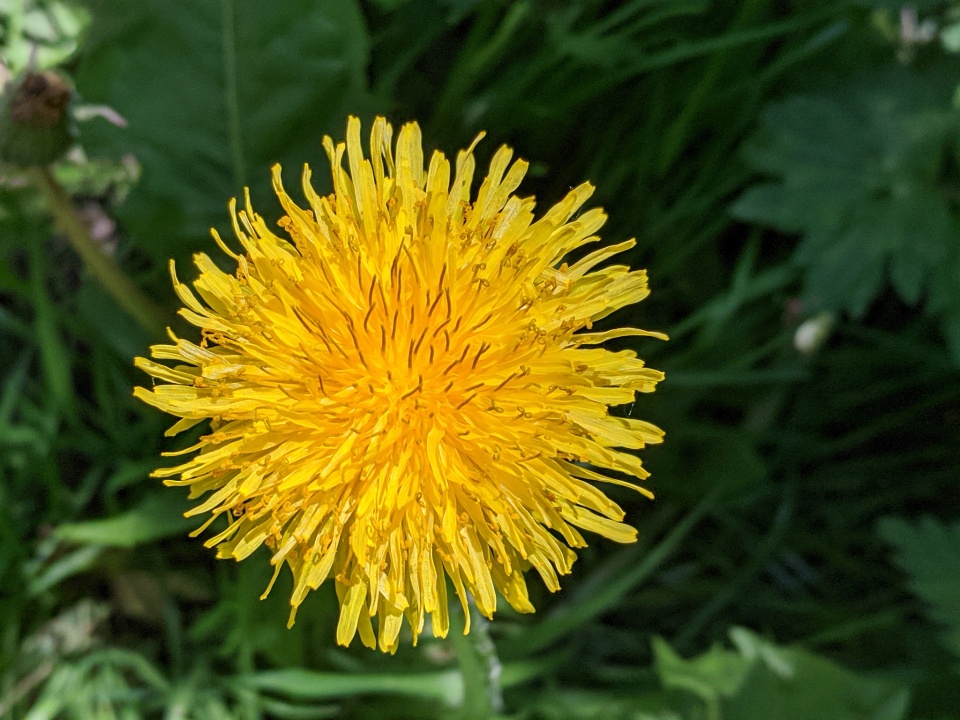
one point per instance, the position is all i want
(67, 566)
(54, 355)
(921, 241)
(446, 686)
(944, 291)
(567, 703)
(950, 38)
(760, 680)
(858, 173)
(715, 674)
(788, 207)
(215, 93)
(816, 688)
(290, 711)
(929, 553)
(811, 135)
(129, 472)
(160, 515)
(951, 331)
(845, 262)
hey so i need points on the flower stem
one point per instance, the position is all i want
(103, 268)
(480, 668)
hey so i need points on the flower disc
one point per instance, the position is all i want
(402, 390)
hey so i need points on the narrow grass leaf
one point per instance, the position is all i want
(158, 516)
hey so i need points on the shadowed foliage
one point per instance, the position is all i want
(791, 173)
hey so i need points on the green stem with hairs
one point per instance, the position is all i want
(100, 265)
(479, 666)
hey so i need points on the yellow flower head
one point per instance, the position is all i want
(401, 392)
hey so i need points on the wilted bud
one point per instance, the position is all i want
(812, 333)
(35, 126)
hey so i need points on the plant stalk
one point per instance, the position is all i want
(480, 668)
(117, 283)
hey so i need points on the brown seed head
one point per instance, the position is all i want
(41, 100)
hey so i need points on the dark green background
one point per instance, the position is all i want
(777, 162)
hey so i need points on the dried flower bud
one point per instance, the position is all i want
(35, 127)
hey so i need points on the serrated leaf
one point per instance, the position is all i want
(858, 173)
(921, 240)
(214, 94)
(770, 204)
(811, 133)
(944, 294)
(845, 261)
(929, 553)
(950, 324)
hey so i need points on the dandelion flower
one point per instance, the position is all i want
(404, 389)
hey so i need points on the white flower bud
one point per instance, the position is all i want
(813, 333)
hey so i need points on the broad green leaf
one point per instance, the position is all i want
(951, 330)
(944, 291)
(789, 207)
(754, 647)
(811, 134)
(715, 674)
(215, 93)
(760, 681)
(924, 239)
(564, 703)
(929, 553)
(816, 688)
(845, 261)
(160, 515)
(858, 173)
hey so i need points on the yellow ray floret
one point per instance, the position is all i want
(399, 391)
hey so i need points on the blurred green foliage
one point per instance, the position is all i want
(929, 553)
(215, 93)
(791, 171)
(862, 178)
